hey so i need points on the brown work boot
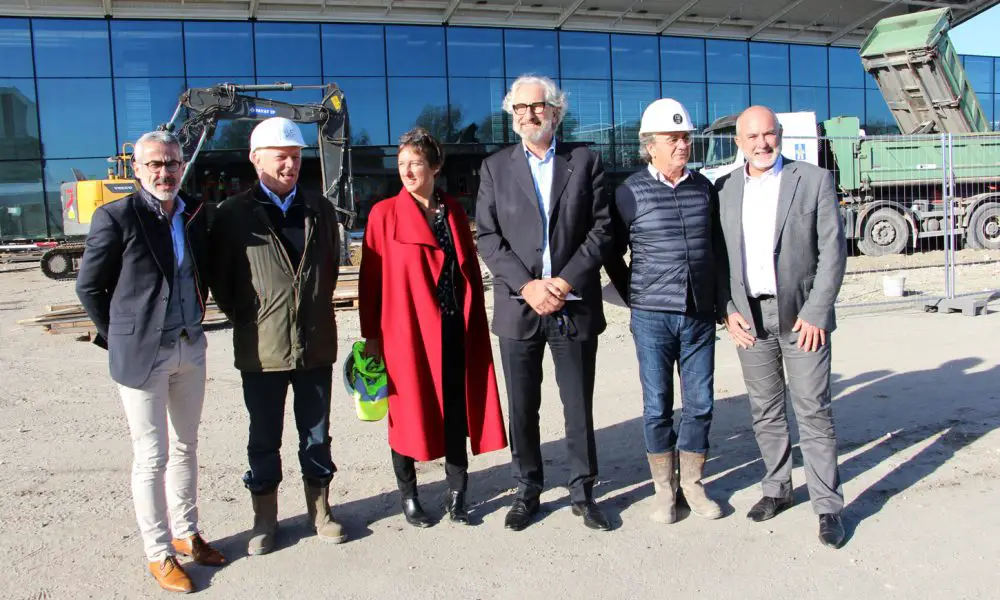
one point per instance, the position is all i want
(692, 470)
(198, 549)
(171, 576)
(317, 504)
(664, 474)
(265, 523)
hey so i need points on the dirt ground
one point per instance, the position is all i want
(917, 409)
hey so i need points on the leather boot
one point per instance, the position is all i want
(265, 523)
(414, 513)
(456, 507)
(664, 474)
(692, 470)
(317, 502)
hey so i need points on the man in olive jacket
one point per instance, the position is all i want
(275, 260)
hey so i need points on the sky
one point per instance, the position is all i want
(978, 35)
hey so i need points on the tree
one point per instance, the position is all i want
(438, 120)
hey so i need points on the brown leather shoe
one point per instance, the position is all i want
(200, 551)
(171, 577)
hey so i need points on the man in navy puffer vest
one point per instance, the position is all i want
(669, 217)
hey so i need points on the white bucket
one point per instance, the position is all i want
(893, 286)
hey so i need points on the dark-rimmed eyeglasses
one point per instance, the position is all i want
(536, 107)
(170, 166)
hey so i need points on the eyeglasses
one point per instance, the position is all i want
(171, 166)
(536, 107)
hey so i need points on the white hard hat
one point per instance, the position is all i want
(276, 132)
(666, 115)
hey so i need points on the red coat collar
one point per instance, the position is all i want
(411, 226)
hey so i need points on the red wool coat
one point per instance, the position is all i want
(400, 265)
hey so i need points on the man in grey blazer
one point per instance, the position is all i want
(787, 254)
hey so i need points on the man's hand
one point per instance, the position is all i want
(811, 338)
(373, 349)
(543, 296)
(739, 330)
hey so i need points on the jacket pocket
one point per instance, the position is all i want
(121, 328)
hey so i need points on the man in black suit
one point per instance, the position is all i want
(142, 284)
(544, 228)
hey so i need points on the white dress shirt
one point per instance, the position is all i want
(760, 215)
(657, 175)
(541, 175)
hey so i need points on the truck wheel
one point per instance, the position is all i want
(885, 232)
(984, 228)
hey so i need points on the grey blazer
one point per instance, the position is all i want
(810, 251)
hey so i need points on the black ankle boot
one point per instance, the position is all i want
(456, 507)
(415, 514)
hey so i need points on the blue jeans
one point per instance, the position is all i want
(663, 339)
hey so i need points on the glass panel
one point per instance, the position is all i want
(585, 55)
(809, 65)
(979, 70)
(418, 101)
(414, 50)
(66, 104)
(774, 97)
(143, 104)
(15, 47)
(768, 63)
(727, 99)
(272, 42)
(353, 50)
(18, 120)
(727, 61)
(682, 59)
(986, 100)
(531, 52)
(815, 99)
(366, 108)
(634, 57)
(588, 118)
(147, 48)
(879, 119)
(229, 135)
(67, 48)
(475, 52)
(631, 99)
(692, 96)
(22, 203)
(310, 131)
(845, 68)
(58, 172)
(476, 110)
(996, 111)
(847, 103)
(217, 48)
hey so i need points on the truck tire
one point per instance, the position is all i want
(984, 228)
(885, 232)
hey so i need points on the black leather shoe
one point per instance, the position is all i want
(456, 507)
(415, 514)
(520, 514)
(592, 515)
(768, 508)
(831, 530)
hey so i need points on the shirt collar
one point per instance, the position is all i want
(657, 175)
(157, 207)
(774, 171)
(282, 204)
(548, 153)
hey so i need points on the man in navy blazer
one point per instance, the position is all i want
(544, 227)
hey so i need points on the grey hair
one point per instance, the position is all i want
(774, 116)
(155, 137)
(646, 139)
(554, 97)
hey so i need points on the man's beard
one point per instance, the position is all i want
(765, 164)
(163, 195)
(539, 135)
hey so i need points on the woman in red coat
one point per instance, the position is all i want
(422, 309)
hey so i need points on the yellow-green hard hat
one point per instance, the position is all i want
(367, 384)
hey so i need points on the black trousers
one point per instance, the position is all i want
(575, 362)
(264, 395)
(456, 465)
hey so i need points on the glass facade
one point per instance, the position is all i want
(72, 91)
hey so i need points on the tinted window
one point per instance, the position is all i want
(147, 48)
(847, 103)
(58, 172)
(414, 51)
(18, 120)
(768, 63)
(979, 70)
(310, 131)
(418, 101)
(353, 50)
(366, 108)
(15, 46)
(634, 57)
(143, 104)
(588, 118)
(809, 65)
(727, 61)
(287, 50)
(218, 49)
(477, 114)
(66, 103)
(813, 99)
(986, 100)
(631, 99)
(692, 96)
(996, 111)
(71, 48)
(475, 52)
(584, 55)
(845, 68)
(725, 100)
(682, 59)
(229, 135)
(878, 117)
(774, 97)
(22, 203)
(531, 52)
